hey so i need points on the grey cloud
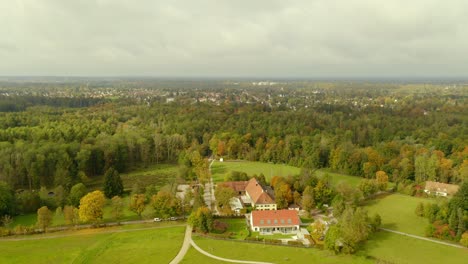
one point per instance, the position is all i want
(234, 38)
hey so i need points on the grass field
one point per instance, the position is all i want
(195, 257)
(237, 227)
(269, 253)
(158, 174)
(394, 248)
(144, 246)
(220, 169)
(397, 212)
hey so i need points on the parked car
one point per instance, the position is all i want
(173, 218)
(157, 219)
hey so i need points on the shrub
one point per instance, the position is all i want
(220, 227)
(295, 243)
(464, 239)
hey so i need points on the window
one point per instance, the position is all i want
(289, 221)
(261, 222)
(268, 221)
(276, 221)
(282, 221)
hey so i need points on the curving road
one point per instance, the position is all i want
(185, 246)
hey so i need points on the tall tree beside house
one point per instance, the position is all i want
(112, 183)
(44, 218)
(91, 206)
(223, 195)
(201, 219)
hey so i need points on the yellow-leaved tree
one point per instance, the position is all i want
(91, 207)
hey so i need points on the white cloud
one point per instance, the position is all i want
(234, 38)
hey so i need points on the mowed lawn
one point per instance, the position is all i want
(220, 170)
(397, 212)
(267, 253)
(143, 246)
(394, 248)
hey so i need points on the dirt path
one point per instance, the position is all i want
(422, 238)
(37, 237)
(185, 246)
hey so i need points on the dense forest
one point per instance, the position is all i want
(55, 135)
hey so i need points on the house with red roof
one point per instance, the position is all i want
(274, 221)
(260, 197)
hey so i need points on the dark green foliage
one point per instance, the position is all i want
(76, 193)
(201, 220)
(112, 183)
(7, 200)
(353, 228)
(419, 211)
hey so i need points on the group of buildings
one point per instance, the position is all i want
(264, 218)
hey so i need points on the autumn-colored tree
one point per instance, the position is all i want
(44, 218)
(117, 207)
(91, 206)
(382, 179)
(164, 204)
(138, 203)
(223, 195)
(283, 195)
(201, 219)
(71, 215)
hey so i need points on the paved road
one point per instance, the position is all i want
(39, 237)
(185, 246)
(422, 238)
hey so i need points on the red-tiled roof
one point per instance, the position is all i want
(238, 186)
(273, 218)
(257, 194)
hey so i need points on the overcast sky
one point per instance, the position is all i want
(311, 38)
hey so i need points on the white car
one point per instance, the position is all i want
(157, 219)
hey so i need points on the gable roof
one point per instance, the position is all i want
(257, 193)
(441, 187)
(238, 186)
(273, 218)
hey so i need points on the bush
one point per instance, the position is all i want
(419, 211)
(254, 238)
(272, 241)
(295, 243)
(219, 227)
(464, 239)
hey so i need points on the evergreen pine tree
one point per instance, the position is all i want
(112, 183)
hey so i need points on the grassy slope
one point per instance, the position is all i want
(270, 253)
(395, 248)
(397, 212)
(146, 246)
(195, 257)
(221, 169)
